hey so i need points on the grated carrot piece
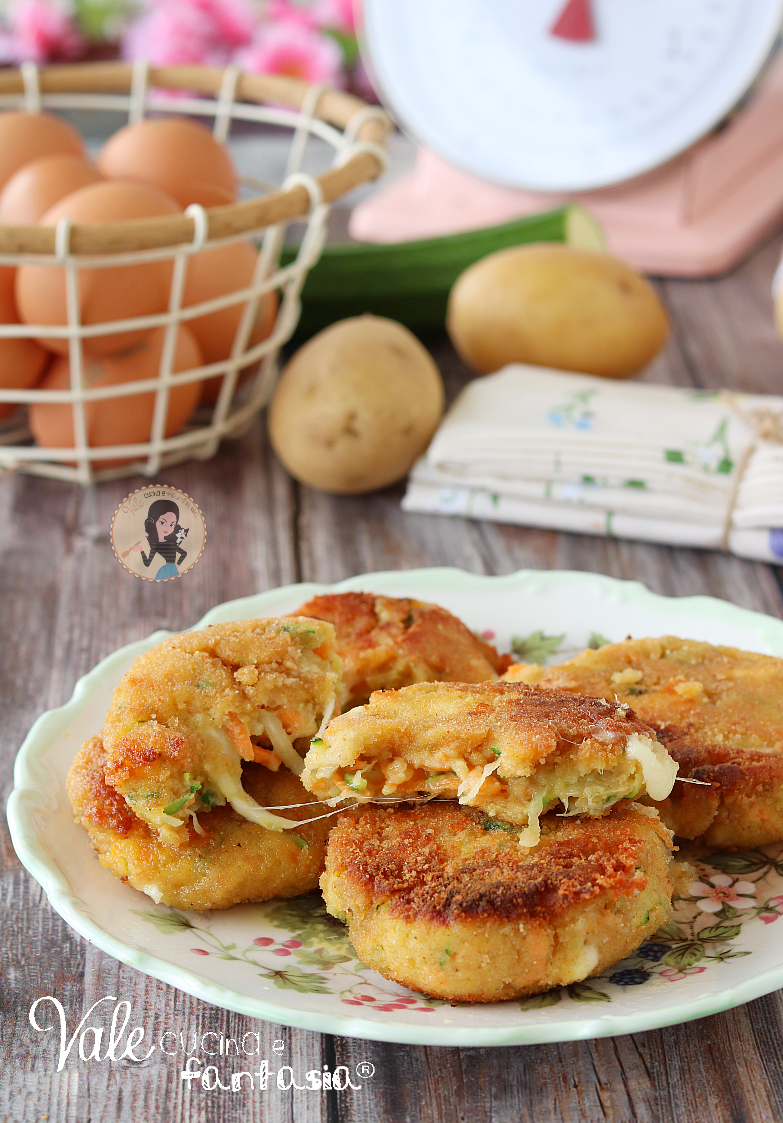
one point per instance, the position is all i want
(266, 757)
(291, 719)
(238, 733)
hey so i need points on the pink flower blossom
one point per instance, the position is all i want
(769, 917)
(172, 35)
(720, 890)
(289, 11)
(39, 31)
(294, 50)
(675, 975)
(335, 14)
(175, 32)
(234, 20)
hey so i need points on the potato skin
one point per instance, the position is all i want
(355, 406)
(554, 306)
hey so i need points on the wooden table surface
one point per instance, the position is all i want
(65, 604)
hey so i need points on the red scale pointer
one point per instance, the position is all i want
(575, 22)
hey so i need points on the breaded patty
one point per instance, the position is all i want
(508, 748)
(442, 900)
(388, 642)
(191, 710)
(719, 712)
(233, 861)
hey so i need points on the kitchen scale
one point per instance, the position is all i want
(664, 117)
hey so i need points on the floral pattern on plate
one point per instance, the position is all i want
(287, 962)
(318, 958)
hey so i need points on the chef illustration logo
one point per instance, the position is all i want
(158, 533)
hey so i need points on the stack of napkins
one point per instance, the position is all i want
(626, 459)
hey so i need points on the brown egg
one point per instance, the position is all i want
(26, 136)
(105, 294)
(115, 421)
(178, 156)
(36, 187)
(215, 273)
(21, 360)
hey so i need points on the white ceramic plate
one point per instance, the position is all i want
(288, 962)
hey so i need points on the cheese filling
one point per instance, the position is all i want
(223, 768)
(645, 764)
(281, 742)
(659, 770)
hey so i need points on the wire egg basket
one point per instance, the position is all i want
(355, 134)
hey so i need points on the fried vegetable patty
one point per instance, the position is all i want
(190, 711)
(505, 747)
(718, 711)
(232, 861)
(442, 900)
(388, 642)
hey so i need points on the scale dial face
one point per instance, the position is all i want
(565, 95)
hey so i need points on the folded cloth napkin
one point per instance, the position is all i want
(626, 459)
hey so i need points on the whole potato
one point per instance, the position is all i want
(355, 406)
(554, 306)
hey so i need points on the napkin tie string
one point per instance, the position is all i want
(765, 425)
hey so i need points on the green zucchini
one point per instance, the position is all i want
(410, 281)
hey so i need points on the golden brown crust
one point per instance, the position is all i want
(446, 901)
(182, 718)
(99, 805)
(530, 724)
(410, 857)
(234, 861)
(388, 642)
(539, 745)
(718, 711)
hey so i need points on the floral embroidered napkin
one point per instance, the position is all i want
(626, 459)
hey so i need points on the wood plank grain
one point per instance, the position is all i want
(65, 603)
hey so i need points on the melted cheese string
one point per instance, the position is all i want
(327, 716)
(281, 742)
(224, 771)
(658, 768)
(465, 792)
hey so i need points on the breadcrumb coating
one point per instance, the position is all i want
(232, 861)
(506, 747)
(190, 711)
(718, 711)
(442, 899)
(389, 642)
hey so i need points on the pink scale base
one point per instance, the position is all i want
(696, 216)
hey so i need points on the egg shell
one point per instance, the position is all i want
(125, 420)
(27, 136)
(214, 273)
(176, 155)
(36, 187)
(105, 294)
(21, 360)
